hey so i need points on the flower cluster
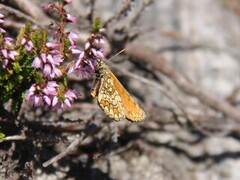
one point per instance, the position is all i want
(84, 65)
(47, 53)
(49, 62)
(47, 92)
(28, 44)
(7, 53)
(46, 95)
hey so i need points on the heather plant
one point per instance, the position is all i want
(35, 66)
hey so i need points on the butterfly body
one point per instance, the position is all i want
(112, 97)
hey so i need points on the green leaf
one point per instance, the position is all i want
(9, 86)
(20, 78)
(2, 135)
(17, 67)
(39, 77)
(97, 25)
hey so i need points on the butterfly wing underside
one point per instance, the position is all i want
(132, 110)
(113, 98)
(108, 98)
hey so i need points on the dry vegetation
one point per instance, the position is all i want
(181, 64)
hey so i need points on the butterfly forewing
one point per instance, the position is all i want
(113, 98)
(132, 110)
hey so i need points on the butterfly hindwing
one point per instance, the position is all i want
(108, 98)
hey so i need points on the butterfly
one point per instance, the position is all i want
(112, 97)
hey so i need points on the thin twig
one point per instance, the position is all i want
(14, 138)
(76, 141)
(70, 148)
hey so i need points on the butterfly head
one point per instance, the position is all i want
(100, 68)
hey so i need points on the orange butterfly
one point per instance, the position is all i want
(112, 97)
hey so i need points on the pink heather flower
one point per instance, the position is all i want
(51, 71)
(2, 21)
(34, 95)
(87, 45)
(43, 57)
(50, 59)
(42, 96)
(99, 41)
(37, 63)
(8, 41)
(8, 55)
(57, 59)
(47, 70)
(77, 63)
(85, 71)
(5, 53)
(70, 70)
(102, 30)
(55, 72)
(52, 45)
(97, 53)
(75, 51)
(51, 88)
(37, 100)
(13, 54)
(54, 101)
(69, 97)
(70, 94)
(1, 16)
(48, 63)
(67, 102)
(91, 63)
(48, 100)
(79, 60)
(30, 92)
(27, 44)
(67, 1)
(23, 41)
(71, 18)
(54, 52)
(2, 30)
(73, 37)
(5, 63)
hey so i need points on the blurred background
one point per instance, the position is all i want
(182, 64)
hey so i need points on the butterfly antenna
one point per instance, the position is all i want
(117, 54)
